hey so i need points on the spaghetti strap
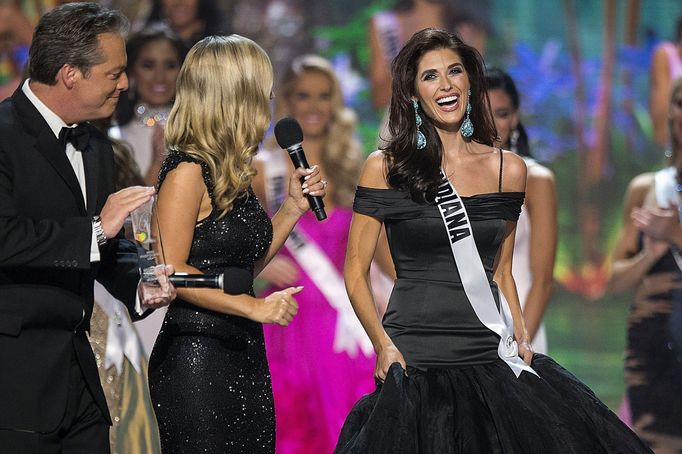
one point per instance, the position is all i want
(499, 184)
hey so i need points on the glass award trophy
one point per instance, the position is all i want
(147, 236)
(153, 279)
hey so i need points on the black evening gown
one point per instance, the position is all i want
(653, 359)
(458, 396)
(208, 373)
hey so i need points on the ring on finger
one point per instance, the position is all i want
(324, 183)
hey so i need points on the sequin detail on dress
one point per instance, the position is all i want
(208, 373)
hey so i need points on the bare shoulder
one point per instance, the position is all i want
(374, 171)
(659, 61)
(642, 182)
(540, 172)
(186, 177)
(660, 51)
(514, 172)
(540, 188)
(639, 187)
(187, 170)
(540, 176)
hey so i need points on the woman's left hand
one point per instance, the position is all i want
(526, 351)
(313, 184)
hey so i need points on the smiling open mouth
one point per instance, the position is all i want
(447, 101)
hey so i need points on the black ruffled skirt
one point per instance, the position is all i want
(485, 409)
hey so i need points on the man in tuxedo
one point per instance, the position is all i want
(60, 229)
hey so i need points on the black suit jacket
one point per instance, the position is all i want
(46, 277)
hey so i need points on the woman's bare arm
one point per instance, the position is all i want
(541, 204)
(514, 181)
(182, 201)
(630, 263)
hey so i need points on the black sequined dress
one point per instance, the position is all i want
(208, 373)
(458, 396)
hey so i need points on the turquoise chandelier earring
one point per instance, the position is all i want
(421, 139)
(467, 128)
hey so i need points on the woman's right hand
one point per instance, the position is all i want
(385, 357)
(278, 308)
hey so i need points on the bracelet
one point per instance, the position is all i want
(99, 231)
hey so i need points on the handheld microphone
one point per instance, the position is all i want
(185, 280)
(289, 136)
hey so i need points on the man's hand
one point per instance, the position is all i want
(119, 205)
(159, 292)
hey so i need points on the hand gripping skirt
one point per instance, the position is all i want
(484, 409)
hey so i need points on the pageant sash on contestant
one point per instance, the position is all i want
(474, 279)
(275, 169)
(121, 335)
(349, 335)
(665, 183)
(667, 197)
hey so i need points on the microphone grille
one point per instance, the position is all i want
(288, 132)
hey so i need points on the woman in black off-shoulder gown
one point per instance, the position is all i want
(448, 382)
(208, 373)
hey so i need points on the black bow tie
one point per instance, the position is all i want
(78, 136)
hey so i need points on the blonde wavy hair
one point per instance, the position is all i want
(222, 111)
(342, 156)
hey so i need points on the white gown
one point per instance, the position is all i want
(523, 275)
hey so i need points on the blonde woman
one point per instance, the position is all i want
(319, 367)
(209, 376)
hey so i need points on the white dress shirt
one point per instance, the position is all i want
(75, 157)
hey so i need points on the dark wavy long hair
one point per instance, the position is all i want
(417, 171)
(498, 79)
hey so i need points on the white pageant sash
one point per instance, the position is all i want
(474, 279)
(276, 172)
(349, 335)
(664, 187)
(121, 335)
(665, 184)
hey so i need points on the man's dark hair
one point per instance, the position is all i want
(69, 35)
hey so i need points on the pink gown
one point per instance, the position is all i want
(315, 387)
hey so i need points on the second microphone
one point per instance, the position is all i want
(289, 136)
